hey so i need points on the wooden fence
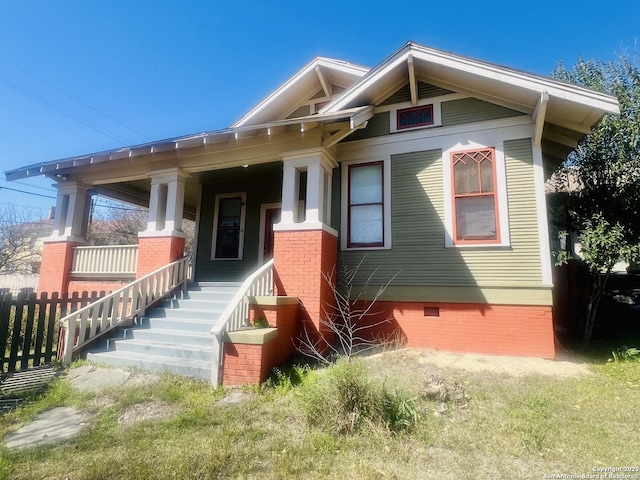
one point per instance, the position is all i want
(29, 326)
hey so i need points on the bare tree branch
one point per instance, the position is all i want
(346, 319)
(20, 231)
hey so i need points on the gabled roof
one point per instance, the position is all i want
(319, 74)
(562, 112)
(569, 106)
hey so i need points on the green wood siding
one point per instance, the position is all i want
(418, 255)
(469, 110)
(378, 126)
(263, 184)
(425, 90)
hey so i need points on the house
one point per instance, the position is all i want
(21, 251)
(430, 165)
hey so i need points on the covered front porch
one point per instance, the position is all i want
(261, 199)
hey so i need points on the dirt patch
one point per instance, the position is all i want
(471, 362)
(153, 410)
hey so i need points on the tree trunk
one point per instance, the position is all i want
(597, 290)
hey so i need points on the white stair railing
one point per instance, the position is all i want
(236, 315)
(120, 307)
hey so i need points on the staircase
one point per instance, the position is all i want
(175, 336)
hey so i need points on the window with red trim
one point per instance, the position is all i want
(414, 117)
(365, 226)
(475, 204)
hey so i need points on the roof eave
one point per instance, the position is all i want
(357, 114)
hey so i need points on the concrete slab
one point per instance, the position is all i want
(62, 423)
(92, 379)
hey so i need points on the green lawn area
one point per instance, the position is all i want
(515, 425)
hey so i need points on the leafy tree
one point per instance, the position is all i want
(606, 164)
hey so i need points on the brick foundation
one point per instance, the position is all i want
(55, 268)
(156, 252)
(520, 330)
(300, 259)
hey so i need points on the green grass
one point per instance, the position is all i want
(512, 428)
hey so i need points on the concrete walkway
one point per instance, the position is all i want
(65, 423)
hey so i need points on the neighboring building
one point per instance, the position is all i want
(430, 165)
(23, 245)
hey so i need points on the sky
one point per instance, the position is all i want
(82, 76)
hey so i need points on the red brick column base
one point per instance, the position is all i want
(302, 259)
(250, 363)
(156, 252)
(55, 269)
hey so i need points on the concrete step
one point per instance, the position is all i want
(182, 324)
(162, 349)
(173, 337)
(169, 336)
(152, 363)
(187, 313)
(196, 303)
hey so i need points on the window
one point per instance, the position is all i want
(228, 232)
(474, 197)
(414, 117)
(366, 210)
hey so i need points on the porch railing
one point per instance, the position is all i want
(119, 307)
(105, 261)
(235, 316)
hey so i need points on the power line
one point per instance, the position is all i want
(33, 186)
(73, 116)
(75, 99)
(28, 193)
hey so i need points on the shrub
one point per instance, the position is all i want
(344, 400)
(283, 379)
(626, 354)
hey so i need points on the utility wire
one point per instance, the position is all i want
(75, 99)
(75, 117)
(33, 186)
(28, 193)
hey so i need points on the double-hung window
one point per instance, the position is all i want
(475, 202)
(365, 205)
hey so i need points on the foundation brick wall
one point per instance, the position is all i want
(521, 330)
(156, 252)
(55, 268)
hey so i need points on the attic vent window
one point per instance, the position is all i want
(415, 117)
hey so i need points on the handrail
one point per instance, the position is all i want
(236, 314)
(120, 307)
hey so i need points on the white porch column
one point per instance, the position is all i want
(318, 164)
(315, 193)
(166, 205)
(290, 193)
(72, 213)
